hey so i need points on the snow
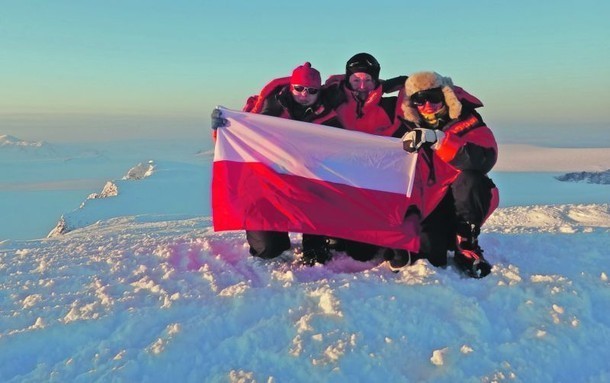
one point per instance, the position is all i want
(142, 289)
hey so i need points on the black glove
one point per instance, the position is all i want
(415, 139)
(393, 84)
(217, 120)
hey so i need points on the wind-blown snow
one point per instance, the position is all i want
(143, 290)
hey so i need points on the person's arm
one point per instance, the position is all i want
(393, 84)
(272, 105)
(469, 144)
(332, 96)
(466, 144)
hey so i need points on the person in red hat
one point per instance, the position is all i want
(298, 97)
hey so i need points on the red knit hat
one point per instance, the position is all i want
(307, 76)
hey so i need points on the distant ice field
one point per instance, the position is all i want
(38, 185)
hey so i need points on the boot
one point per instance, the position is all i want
(335, 244)
(315, 250)
(468, 254)
(397, 259)
(319, 254)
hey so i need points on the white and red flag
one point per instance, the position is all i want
(276, 174)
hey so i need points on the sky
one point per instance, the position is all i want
(89, 71)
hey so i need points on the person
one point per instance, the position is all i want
(362, 106)
(456, 152)
(298, 97)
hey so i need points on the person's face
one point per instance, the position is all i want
(429, 108)
(304, 95)
(361, 82)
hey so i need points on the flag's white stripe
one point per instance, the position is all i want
(316, 152)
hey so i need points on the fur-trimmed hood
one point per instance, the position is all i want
(424, 81)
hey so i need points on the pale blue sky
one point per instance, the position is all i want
(89, 70)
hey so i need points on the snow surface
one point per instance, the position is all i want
(143, 290)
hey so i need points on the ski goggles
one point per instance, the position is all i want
(301, 88)
(433, 96)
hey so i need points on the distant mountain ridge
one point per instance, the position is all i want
(14, 148)
(147, 189)
(602, 178)
(12, 141)
(78, 218)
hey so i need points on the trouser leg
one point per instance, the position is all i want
(438, 232)
(360, 251)
(267, 244)
(312, 242)
(472, 192)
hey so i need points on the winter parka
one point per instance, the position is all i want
(468, 145)
(375, 115)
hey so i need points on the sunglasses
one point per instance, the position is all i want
(433, 96)
(300, 88)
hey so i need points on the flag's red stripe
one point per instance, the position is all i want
(252, 196)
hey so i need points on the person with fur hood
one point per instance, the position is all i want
(456, 152)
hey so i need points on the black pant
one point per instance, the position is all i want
(467, 200)
(270, 244)
(360, 251)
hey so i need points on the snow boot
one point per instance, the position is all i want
(397, 259)
(319, 254)
(468, 254)
(335, 244)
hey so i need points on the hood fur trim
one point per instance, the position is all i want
(429, 80)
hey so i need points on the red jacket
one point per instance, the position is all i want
(275, 100)
(375, 115)
(468, 145)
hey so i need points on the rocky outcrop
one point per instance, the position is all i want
(79, 217)
(602, 178)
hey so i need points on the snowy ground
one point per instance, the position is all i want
(147, 293)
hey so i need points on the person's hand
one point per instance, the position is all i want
(217, 120)
(415, 139)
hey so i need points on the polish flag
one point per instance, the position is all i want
(276, 174)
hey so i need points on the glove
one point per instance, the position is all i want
(217, 120)
(415, 139)
(393, 84)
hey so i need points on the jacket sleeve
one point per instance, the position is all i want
(393, 84)
(469, 145)
(272, 106)
(332, 96)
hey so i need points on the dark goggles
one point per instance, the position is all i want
(366, 63)
(433, 96)
(300, 88)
